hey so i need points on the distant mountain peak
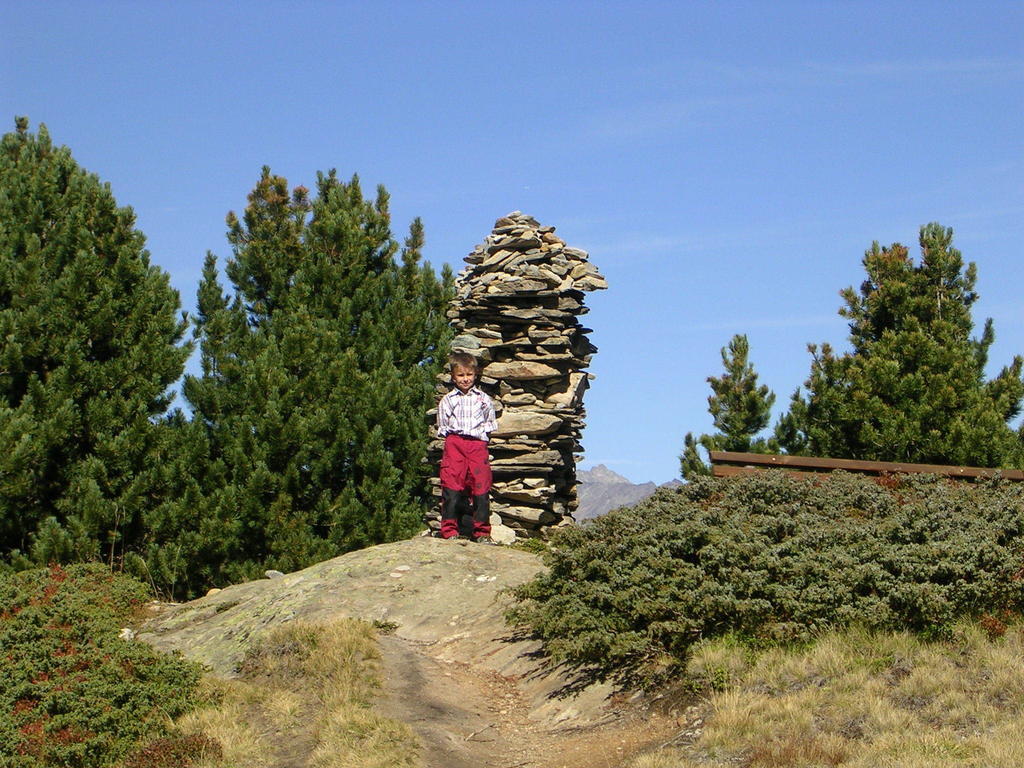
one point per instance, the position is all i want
(601, 474)
(602, 490)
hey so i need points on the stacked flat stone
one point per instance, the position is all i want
(515, 309)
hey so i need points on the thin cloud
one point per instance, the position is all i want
(810, 72)
(651, 119)
(645, 245)
(655, 118)
(652, 244)
(893, 69)
(1014, 212)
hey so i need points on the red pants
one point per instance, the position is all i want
(464, 465)
(465, 472)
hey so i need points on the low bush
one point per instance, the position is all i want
(775, 558)
(72, 692)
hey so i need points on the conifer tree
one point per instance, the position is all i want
(318, 366)
(913, 386)
(90, 341)
(740, 409)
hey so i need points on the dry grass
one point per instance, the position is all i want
(861, 700)
(355, 737)
(227, 721)
(305, 697)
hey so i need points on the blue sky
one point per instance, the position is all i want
(726, 164)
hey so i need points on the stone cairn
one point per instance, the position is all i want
(515, 309)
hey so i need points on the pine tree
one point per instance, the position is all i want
(90, 341)
(317, 369)
(740, 409)
(913, 386)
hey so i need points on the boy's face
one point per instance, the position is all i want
(464, 378)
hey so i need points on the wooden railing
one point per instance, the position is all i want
(730, 464)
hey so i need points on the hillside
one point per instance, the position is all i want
(477, 694)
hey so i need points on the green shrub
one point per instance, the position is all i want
(536, 546)
(775, 558)
(72, 692)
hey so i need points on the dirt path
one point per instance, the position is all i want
(477, 696)
(456, 714)
(471, 717)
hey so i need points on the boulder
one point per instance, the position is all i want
(520, 370)
(525, 422)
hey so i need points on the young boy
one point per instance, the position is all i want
(465, 419)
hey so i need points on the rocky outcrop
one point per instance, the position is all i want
(444, 599)
(515, 309)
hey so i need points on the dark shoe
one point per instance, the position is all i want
(485, 540)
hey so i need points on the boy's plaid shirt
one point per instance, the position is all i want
(469, 415)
